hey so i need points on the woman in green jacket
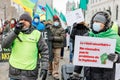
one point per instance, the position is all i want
(100, 27)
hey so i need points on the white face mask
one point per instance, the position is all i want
(56, 23)
(96, 27)
(36, 20)
(12, 22)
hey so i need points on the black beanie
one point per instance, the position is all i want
(26, 16)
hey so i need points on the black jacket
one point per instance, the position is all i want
(78, 29)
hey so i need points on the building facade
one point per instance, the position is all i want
(70, 6)
(6, 10)
(102, 5)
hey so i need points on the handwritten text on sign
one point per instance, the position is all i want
(90, 51)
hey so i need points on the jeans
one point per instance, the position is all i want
(71, 54)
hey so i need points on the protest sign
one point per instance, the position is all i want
(93, 52)
(75, 16)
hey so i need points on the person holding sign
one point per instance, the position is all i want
(101, 27)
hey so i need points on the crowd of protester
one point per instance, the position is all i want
(49, 38)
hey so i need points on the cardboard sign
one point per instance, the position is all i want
(93, 52)
(74, 16)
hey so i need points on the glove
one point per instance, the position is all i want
(18, 28)
(113, 57)
(75, 76)
(51, 38)
(43, 74)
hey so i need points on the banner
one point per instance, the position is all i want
(93, 52)
(4, 54)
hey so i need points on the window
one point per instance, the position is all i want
(117, 12)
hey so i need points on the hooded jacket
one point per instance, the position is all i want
(38, 25)
(109, 34)
(105, 73)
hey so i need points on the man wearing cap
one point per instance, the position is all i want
(101, 27)
(57, 38)
(26, 42)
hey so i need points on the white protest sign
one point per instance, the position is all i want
(93, 52)
(74, 16)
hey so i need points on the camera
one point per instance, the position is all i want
(19, 25)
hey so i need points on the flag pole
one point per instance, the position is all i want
(35, 7)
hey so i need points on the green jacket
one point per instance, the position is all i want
(115, 27)
(109, 34)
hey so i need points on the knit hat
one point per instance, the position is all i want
(100, 18)
(55, 17)
(26, 16)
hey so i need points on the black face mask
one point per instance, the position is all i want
(28, 30)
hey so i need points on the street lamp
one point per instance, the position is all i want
(4, 11)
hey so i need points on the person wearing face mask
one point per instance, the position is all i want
(12, 23)
(26, 44)
(101, 27)
(57, 37)
(37, 24)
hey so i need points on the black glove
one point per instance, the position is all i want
(75, 77)
(43, 74)
(51, 38)
(18, 28)
(113, 57)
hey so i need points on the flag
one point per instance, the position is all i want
(49, 12)
(62, 17)
(39, 10)
(42, 8)
(34, 1)
(83, 4)
(27, 5)
(56, 12)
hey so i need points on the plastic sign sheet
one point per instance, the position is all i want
(93, 52)
(75, 16)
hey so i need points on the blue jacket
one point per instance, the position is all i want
(39, 26)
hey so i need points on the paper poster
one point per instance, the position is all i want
(93, 52)
(74, 16)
